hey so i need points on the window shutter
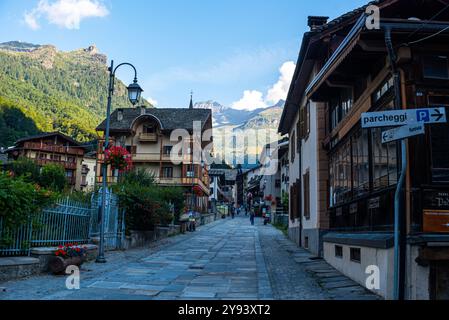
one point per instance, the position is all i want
(301, 123)
(306, 181)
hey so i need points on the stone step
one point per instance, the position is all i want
(18, 267)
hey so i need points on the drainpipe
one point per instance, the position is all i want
(399, 216)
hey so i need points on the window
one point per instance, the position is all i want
(306, 189)
(435, 67)
(167, 150)
(304, 122)
(71, 159)
(340, 106)
(360, 157)
(277, 183)
(340, 175)
(167, 172)
(338, 251)
(356, 255)
(385, 161)
(149, 129)
(190, 171)
(292, 147)
(55, 157)
(384, 88)
(294, 201)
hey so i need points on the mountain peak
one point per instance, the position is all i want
(18, 46)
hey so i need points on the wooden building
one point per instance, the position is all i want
(55, 148)
(403, 64)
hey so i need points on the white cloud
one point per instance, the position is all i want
(31, 21)
(65, 13)
(251, 100)
(280, 89)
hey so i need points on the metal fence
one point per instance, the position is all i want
(114, 228)
(65, 222)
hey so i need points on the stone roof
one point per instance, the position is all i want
(49, 134)
(169, 118)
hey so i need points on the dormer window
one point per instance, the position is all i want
(119, 115)
(149, 129)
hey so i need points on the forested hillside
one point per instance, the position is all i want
(43, 89)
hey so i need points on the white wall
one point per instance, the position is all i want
(293, 167)
(310, 162)
(383, 258)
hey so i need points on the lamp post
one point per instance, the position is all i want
(134, 94)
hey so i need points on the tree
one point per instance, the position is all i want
(27, 169)
(53, 177)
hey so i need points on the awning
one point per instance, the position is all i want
(338, 56)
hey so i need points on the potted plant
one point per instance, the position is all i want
(67, 255)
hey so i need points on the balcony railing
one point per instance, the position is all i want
(53, 148)
(150, 157)
(148, 137)
(184, 181)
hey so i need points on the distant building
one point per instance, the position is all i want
(274, 173)
(55, 148)
(145, 133)
(88, 171)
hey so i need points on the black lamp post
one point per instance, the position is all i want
(134, 93)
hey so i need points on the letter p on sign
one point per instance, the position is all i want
(423, 115)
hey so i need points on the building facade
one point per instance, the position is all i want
(150, 136)
(54, 148)
(403, 64)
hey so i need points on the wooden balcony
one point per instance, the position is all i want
(150, 157)
(185, 182)
(53, 148)
(148, 137)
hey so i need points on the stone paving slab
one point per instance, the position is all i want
(226, 260)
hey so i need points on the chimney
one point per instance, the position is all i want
(143, 110)
(314, 22)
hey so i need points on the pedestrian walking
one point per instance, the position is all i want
(251, 217)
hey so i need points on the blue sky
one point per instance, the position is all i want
(230, 51)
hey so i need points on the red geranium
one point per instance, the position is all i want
(119, 158)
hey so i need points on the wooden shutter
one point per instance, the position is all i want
(301, 123)
(306, 189)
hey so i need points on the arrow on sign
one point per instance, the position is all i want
(402, 132)
(438, 115)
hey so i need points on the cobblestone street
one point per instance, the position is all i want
(224, 260)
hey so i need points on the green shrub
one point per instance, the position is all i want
(53, 177)
(27, 169)
(19, 201)
(138, 177)
(145, 203)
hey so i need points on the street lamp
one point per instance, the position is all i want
(134, 93)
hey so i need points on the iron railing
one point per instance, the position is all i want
(66, 222)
